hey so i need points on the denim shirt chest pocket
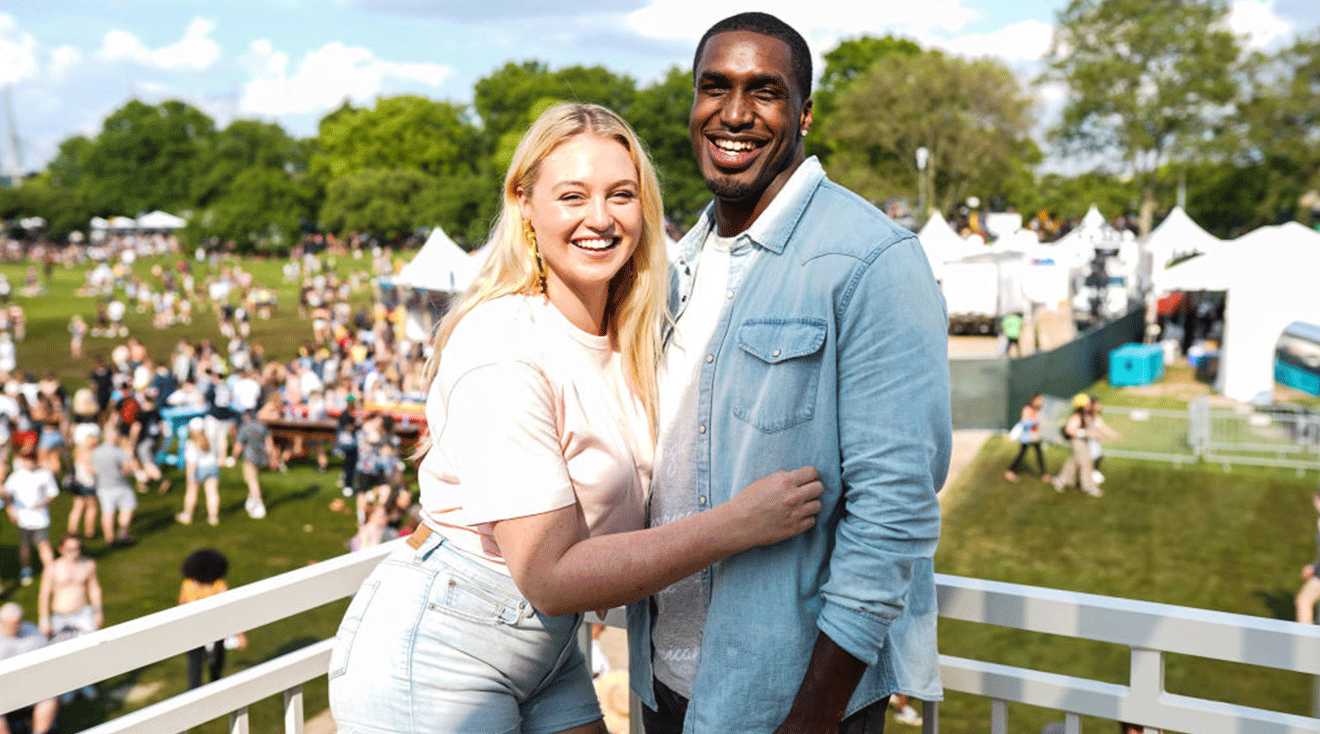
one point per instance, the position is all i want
(777, 370)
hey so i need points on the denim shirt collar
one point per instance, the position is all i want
(770, 230)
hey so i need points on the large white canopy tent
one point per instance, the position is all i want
(161, 221)
(1274, 284)
(1179, 236)
(440, 266)
(941, 244)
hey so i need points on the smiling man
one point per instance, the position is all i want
(809, 330)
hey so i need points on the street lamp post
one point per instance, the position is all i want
(923, 155)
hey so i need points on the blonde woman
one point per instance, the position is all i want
(541, 412)
(202, 468)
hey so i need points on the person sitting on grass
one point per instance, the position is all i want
(257, 449)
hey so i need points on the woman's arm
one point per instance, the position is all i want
(560, 573)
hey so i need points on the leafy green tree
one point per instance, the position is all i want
(1274, 136)
(245, 144)
(405, 132)
(844, 63)
(262, 209)
(391, 203)
(146, 157)
(972, 116)
(510, 98)
(1146, 82)
(659, 116)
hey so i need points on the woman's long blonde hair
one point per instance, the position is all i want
(637, 293)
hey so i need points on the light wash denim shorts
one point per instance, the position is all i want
(436, 642)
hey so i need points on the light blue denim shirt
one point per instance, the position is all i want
(832, 354)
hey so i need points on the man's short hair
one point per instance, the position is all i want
(766, 25)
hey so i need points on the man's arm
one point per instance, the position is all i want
(94, 594)
(894, 437)
(44, 594)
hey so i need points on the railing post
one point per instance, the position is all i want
(930, 717)
(998, 716)
(293, 710)
(1146, 683)
(1072, 723)
(238, 721)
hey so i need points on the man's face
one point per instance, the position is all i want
(71, 548)
(747, 115)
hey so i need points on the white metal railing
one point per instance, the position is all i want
(1150, 630)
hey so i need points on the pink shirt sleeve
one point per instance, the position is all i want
(501, 426)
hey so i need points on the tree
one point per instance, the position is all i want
(146, 157)
(848, 60)
(972, 117)
(511, 97)
(385, 202)
(659, 116)
(1146, 81)
(1275, 128)
(244, 145)
(263, 208)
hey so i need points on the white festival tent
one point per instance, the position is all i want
(941, 244)
(1273, 288)
(122, 224)
(1179, 236)
(159, 220)
(440, 265)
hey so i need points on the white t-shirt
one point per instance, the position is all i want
(26, 488)
(193, 454)
(529, 414)
(681, 608)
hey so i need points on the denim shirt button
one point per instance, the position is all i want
(730, 295)
(701, 428)
(775, 353)
(702, 501)
(710, 358)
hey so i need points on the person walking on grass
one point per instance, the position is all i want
(83, 510)
(112, 465)
(1078, 465)
(202, 468)
(257, 449)
(69, 603)
(29, 490)
(1027, 433)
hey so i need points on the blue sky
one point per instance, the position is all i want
(69, 63)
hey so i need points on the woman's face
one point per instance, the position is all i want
(586, 210)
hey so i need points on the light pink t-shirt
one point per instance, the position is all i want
(529, 414)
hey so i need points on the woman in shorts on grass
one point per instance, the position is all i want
(541, 413)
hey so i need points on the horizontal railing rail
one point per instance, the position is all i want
(1150, 630)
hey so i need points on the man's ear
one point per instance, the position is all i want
(805, 119)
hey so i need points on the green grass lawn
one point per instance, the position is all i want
(300, 528)
(1195, 536)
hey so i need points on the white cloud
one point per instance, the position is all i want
(62, 58)
(194, 52)
(1256, 23)
(325, 77)
(1026, 40)
(18, 52)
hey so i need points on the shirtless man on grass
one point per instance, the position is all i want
(69, 602)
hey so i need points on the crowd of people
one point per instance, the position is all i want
(1084, 432)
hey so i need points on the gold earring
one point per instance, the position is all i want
(530, 236)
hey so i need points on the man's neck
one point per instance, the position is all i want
(735, 217)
